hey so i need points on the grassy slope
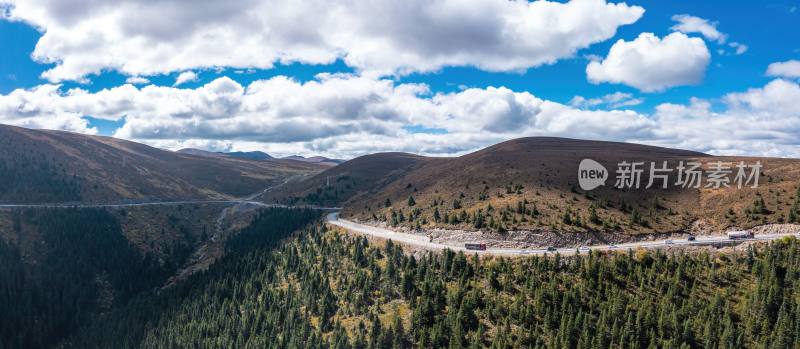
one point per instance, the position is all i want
(54, 166)
(543, 172)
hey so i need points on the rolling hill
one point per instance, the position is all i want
(316, 159)
(361, 176)
(530, 184)
(251, 155)
(38, 166)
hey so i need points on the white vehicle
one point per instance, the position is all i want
(584, 248)
(668, 242)
(740, 234)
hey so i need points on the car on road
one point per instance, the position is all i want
(551, 249)
(691, 238)
(668, 242)
(740, 234)
(475, 247)
(612, 247)
(584, 248)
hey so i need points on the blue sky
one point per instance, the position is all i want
(770, 34)
(768, 29)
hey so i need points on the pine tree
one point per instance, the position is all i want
(593, 217)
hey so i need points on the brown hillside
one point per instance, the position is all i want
(365, 175)
(531, 184)
(56, 166)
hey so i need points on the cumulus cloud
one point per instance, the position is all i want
(761, 121)
(652, 64)
(344, 115)
(137, 80)
(335, 114)
(34, 108)
(143, 37)
(692, 24)
(612, 100)
(788, 69)
(187, 76)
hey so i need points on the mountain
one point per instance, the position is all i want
(316, 160)
(531, 184)
(199, 152)
(337, 185)
(117, 277)
(250, 155)
(57, 166)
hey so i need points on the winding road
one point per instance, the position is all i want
(424, 241)
(419, 240)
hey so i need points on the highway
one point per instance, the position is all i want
(419, 240)
(160, 203)
(132, 204)
(424, 242)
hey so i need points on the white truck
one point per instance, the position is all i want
(740, 234)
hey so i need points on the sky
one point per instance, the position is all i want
(442, 77)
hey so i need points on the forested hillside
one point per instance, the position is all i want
(324, 289)
(81, 266)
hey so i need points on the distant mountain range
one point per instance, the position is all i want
(260, 155)
(316, 160)
(526, 183)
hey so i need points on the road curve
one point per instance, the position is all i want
(418, 240)
(424, 242)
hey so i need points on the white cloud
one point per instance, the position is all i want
(690, 24)
(184, 77)
(35, 108)
(143, 37)
(652, 64)
(738, 47)
(787, 69)
(345, 116)
(137, 80)
(761, 121)
(612, 100)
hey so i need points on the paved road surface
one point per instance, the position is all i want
(424, 242)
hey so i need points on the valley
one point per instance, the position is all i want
(114, 261)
